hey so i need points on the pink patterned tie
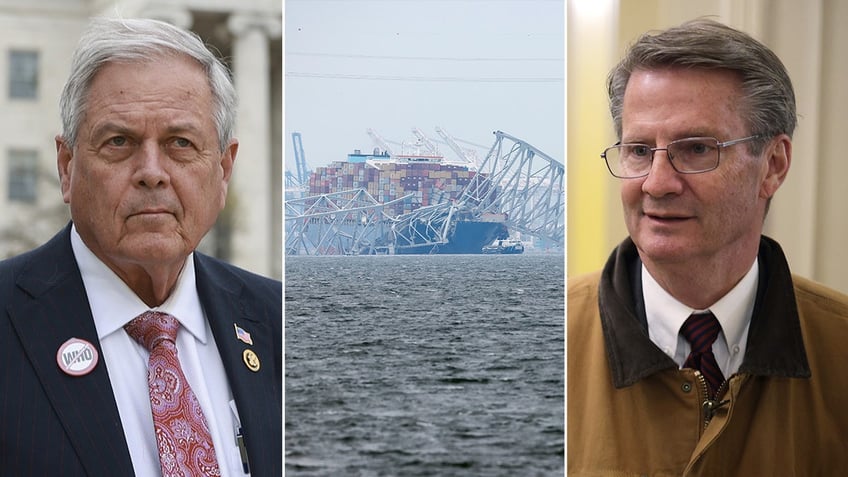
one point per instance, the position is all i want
(185, 445)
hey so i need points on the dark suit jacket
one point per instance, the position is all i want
(53, 424)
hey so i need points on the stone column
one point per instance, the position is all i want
(253, 244)
(179, 17)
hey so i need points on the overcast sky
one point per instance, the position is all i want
(468, 66)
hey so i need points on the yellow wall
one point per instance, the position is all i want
(588, 132)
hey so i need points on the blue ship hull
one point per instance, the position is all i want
(468, 237)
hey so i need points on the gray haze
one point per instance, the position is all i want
(467, 66)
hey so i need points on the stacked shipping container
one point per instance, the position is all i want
(429, 182)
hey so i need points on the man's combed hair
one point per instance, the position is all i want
(768, 96)
(141, 40)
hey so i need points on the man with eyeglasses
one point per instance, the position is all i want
(696, 351)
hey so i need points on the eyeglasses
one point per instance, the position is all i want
(691, 155)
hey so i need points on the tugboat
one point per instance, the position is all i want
(505, 247)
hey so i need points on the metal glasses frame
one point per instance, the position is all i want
(719, 146)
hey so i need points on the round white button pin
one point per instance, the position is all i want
(77, 357)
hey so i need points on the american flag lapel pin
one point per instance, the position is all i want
(242, 335)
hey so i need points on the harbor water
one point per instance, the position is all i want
(440, 365)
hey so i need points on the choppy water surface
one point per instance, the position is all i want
(424, 365)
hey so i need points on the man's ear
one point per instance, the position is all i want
(64, 155)
(227, 160)
(777, 162)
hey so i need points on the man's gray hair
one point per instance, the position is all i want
(768, 97)
(135, 41)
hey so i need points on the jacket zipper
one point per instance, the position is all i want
(704, 392)
(710, 406)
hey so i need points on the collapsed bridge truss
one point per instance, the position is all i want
(516, 184)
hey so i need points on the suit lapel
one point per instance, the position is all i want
(227, 302)
(54, 308)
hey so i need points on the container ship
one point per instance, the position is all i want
(427, 179)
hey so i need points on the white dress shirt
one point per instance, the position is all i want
(734, 310)
(113, 304)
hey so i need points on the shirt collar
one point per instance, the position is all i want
(735, 309)
(114, 304)
(666, 314)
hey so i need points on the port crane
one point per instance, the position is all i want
(468, 155)
(426, 142)
(379, 141)
(297, 183)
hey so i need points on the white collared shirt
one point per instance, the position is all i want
(113, 304)
(734, 310)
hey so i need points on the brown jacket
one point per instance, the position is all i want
(631, 411)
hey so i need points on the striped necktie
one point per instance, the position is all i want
(182, 435)
(701, 331)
